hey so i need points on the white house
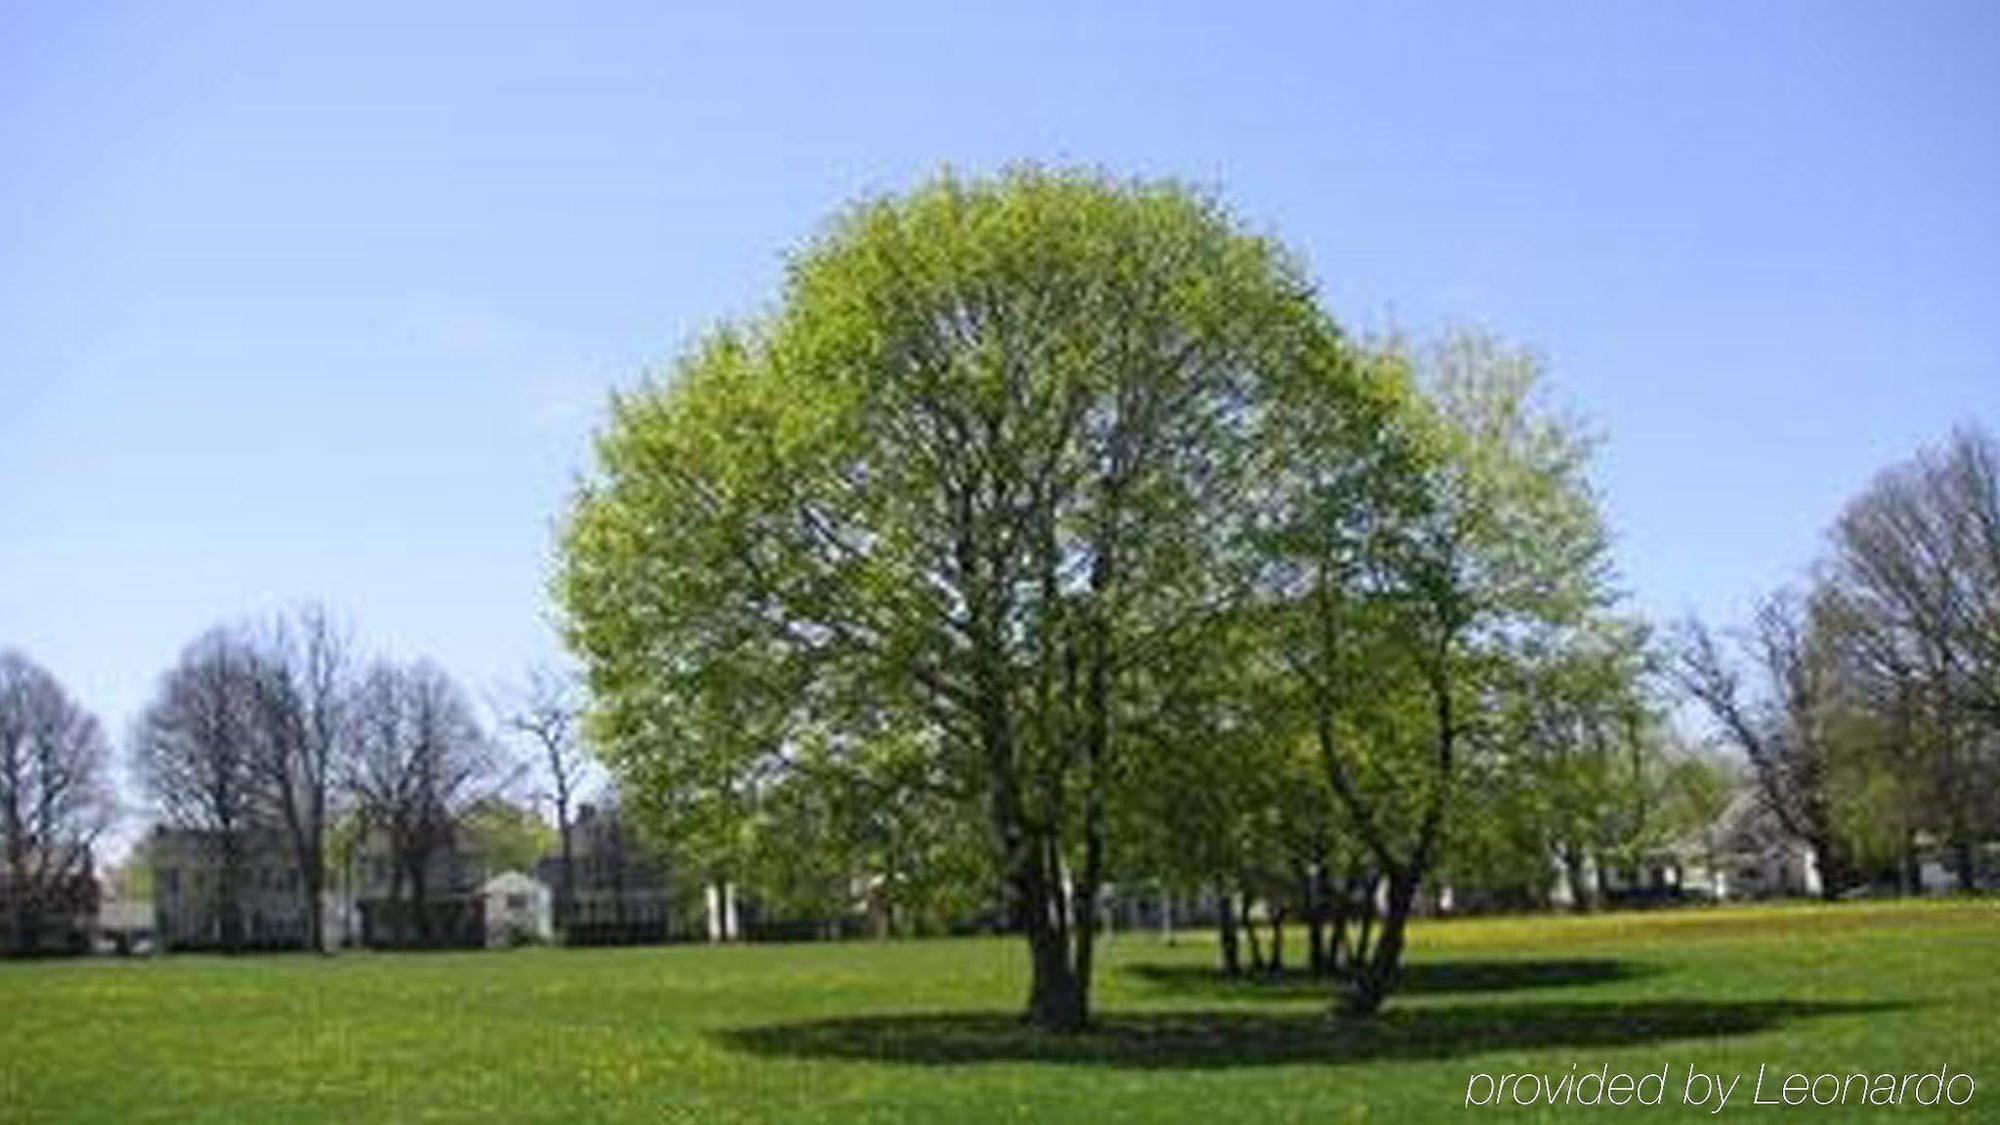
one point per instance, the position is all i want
(517, 909)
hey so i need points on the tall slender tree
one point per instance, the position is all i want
(1403, 583)
(1783, 722)
(546, 714)
(195, 751)
(1915, 579)
(420, 759)
(301, 690)
(54, 799)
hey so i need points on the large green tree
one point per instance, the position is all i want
(985, 478)
(1402, 585)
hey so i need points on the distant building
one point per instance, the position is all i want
(367, 901)
(1743, 854)
(1936, 865)
(125, 925)
(517, 909)
(619, 894)
(1757, 858)
(381, 902)
(54, 915)
(198, 905)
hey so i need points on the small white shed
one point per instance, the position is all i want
(518, 909)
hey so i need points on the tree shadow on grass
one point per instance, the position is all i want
(1218, 1039)
(1417, 978)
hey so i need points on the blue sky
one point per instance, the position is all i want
(325, 304)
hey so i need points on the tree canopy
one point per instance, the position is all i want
(1019, 470)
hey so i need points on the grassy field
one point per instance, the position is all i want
(923, 1031)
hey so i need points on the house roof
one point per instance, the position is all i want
(512, 883)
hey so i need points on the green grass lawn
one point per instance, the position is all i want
(924, 1031)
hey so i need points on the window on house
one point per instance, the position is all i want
(517, 902)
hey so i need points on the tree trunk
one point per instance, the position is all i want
(17, 922)
(350, 893)
(419, 902)
(1372, 979)
(1277, 963)
(1336, 938)
(20, 939)
(1581, 895)
(1316, 925)
(1250, 934)
(394, 930)
(1232, 952)
(1084, 904)
(1836, 872)
(565, 878)
(312, 881)
(1083, 939)
(306, 830)
(1365, 918)
(229, 920)
(1056, 998)
(618, 916)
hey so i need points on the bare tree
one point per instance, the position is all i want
(1917, 567)
(54, 800)
(419, 758)
(301, 685)
(1881, 680)
(545, 713)
(195, 752)
(1785, 728)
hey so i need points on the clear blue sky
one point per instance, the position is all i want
(326, 305)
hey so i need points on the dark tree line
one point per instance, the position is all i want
(278, 728)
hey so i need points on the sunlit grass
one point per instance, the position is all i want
(922, 1031)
